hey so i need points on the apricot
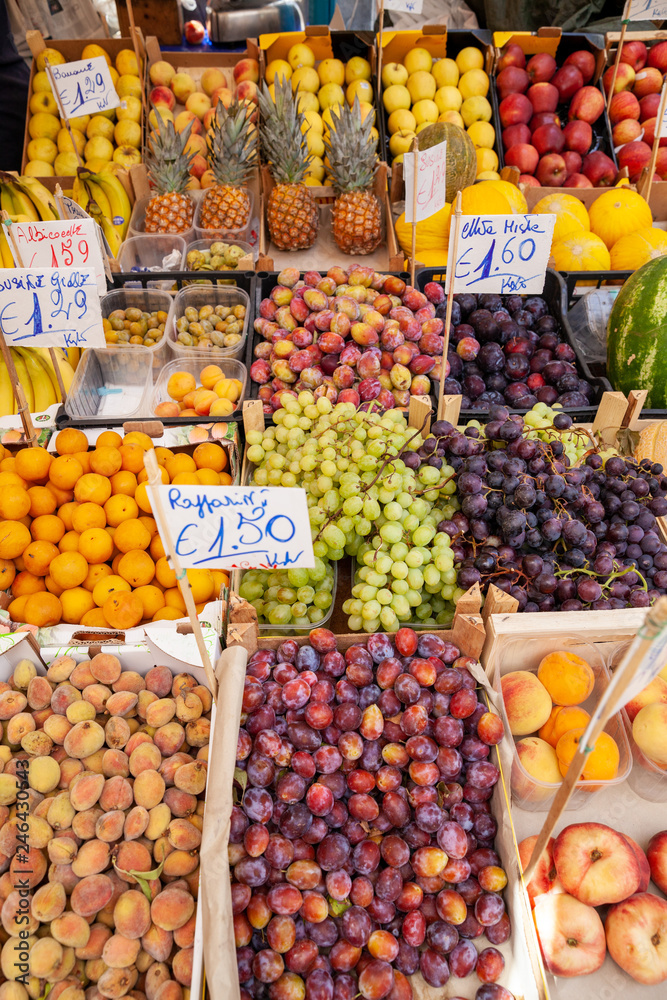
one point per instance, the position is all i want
(159, 681)
(169, 991)
(80, 711)
(180, 384)
(115, 983)
(123, 610)
(180, 803)
(109, 826)
(189, 707)
(121, 704)
(97, 695)
(9, 785)
(116, 794)
(120, 952)
(38, 694)
(64, 696)
(167, 410)
(184, 937)
(172, 908)
(60, 812)
(92, 858)
(81, 676)
(160, 712)
(64, 875)
(70, 930)
(149, 789)
(159, 818)
(131, 856)
(191, 777)
(144, 699)
(182, 966)
(158, 943)
(84, 739)
(132, 915)
(18, 726)
(115, 762)
(655, 692)
(99, 935)
(527, 702)
(69, 769)
(169, 739)
(46, 955)
(62, 850)
(602, 761)
(180, 863)
(143, 758)
(539, 759)
(91, 895)
(568, 679)
(135, 823)
(14, 920)
(198, 733)
(561, 720)
(170, 765)
(43, 773)
(85, 790)
(83, 824)
(183, 835)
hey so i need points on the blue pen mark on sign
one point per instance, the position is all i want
(85, 87)
(48, 307)
(503, 253)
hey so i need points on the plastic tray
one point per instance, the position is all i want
(528, 792)
(194, 364)
(201, 295)
(201, 277)
(228, 235)
(149, 251)
(148, 300)
(266, 629)
(137, 225)
(127, 377)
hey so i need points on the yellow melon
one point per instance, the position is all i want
(619, 212)
(581, 252)
(571, 214)
(635, 249)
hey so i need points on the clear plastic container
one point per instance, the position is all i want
(201, 275)
(137, 225)
(229, 235)
(525, 654)
(205, 295)
(588, 320)
(194, 365)
(148, 252)
(148, 300)
(266, 629)
(111, 385)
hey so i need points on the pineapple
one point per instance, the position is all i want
(291, 211)
(356, 220)
(171, 209)
(233, 155)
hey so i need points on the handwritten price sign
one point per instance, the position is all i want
(71, 243)
(431, 171)
(646, 10)
(231, 527)
(409, 6)
(43, 307)
(84, 87)
(501, 253)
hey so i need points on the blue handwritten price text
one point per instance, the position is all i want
(49, 308)
(85, 87)
(503, 253)
(647, 10)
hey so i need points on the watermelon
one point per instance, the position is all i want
(637, 334)
(461, 160)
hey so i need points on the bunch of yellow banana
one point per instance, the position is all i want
(37, 377)
(25, 199)
(105, 199)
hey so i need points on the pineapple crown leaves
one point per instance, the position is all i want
(232, 144)
(167, 159)
(351, 150)
(283, 140)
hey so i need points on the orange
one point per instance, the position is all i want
(109, 439)
(186, 479)
(180, 463)
(17, 609)
(69, 569)
(123, 610)
(123, 482)
(225, 479)
(116, 559)
(14, 502)
(138, 437)
(92, 488)
(26, 584)
(96, 572)
(156, 548)
(33, 463)
(131, 534)
(42, 501)
(167, 614)
(106, 586)
(164, 573)
(142, 477)
(47, 528)
(71, 440)
(141, 496)
(162, 454)
(69, 542)
(7, 573)
(7, 464)
(11, 479)
(83, 458)
(601, 763)
(568, 679)
(66, 512)
(151, 598)
(174, 599)
(88, 515)
(38, 556)
(62, 496)
(120, 508)
(202, 584)
(95, 545)
(210, 456)
(14, 539)
(76, 602)
(94, 619)
(220, 579)
(132, 458)
(561, 721)
(136, 567)
(149, 524)
(105, 461)
(64, 472)
(52, 587)
(207, 477)
(43, 609)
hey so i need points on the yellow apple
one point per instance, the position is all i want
(127, 134)
(445, 73)
(307, 102)
(114, 74)
(401, 142)
(329, 95)
(417, 59)
(39, 168)
(448, 99)
(41, 82)
(43, 126)
(453, 117)
(98, 148)
(306, 78)
(401, 121)
(397, 159)
(357, 68)
(65, 165)
(278, 68)
(55, 58)
(131, 112)
(488, 175)
(425, 111)
(43, 101)
(126, 63)
(421, 86)
(483, 135)
(110, 113)
(313, 120)
(331, 71)
(375, 135)
(96, 166)
(300, 55)
(164, 113)
(161, 73)
(80, 123)
(475, 109)
(42, 149)
(65, 144)
(316, 168)
(212, 79)
(110, 166)
(126, 156)
(469, 58)
(487, 159)
(361, 89)
(422, 126)
(128, 86)
(93, 51)
(393, 73)
(395, 97)
(99, 125)
(474, 83)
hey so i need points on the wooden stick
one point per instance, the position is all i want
(49, 71)
(159, 513)
(646, 192)
(451, 258)
(62, 207)
(655, 621)
(624, 26)
(415, 171)
(379, 66)
(135, 43)
(19, 395)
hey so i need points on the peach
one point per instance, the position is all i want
(39, 833)
(115, 983)
(71, 930)
(145, 699)
(105, 668)
(136, 739)
(648, 731)
(61, 669)
(92, 858)
(46, 955)
(642, 861)
(170, 765)
(198, 104)
(85, 790)
(181, 683)
(169, 991)
(161, 850)
(99, 935)
(81, 676)
(246, 69)
(60, 812)
(223, 94)
(180, 863)
(657, 858)
(561, 720)
(595, 864)
(656, 691)
(132, 915)
(181, 965)
(18, 726)
(159, 818)
(539, 760)
(182, 86)
(122, 703)
(120, 951)
(636, 930)
(198, 733)
(211, 79)
(145, 757)
(109, 826)
(97, 695)
(527, 702)
(117, 731)
(158, 943)
(172, 908)
(83, 824)
(159, 679)
(94, 761)
(116, 794)
(62, 850)
(84, 739)
(568, 679)
(37, 744)
(149, 788)
(48, 902)
(38, 694)
(160, 712)
(135, 823)
(14, 920)
(161, 73)
(64, 696)
(571, 935)
(129, 680)
(188, 707)
(162, 97)
(43, 773)
(115, 762)
(601, 763)
(191, 777)
(65, 876)
(184, 937)
(157, 974)
(131, 856)
(80, 711)
(170, 738)
(56, 728)
(180, 803)
(183, 835)
(9, 786)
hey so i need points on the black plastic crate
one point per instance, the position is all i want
(592, 279)
(555, 294)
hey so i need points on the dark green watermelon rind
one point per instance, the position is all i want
(637, 334)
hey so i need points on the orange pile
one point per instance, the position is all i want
(77, 540)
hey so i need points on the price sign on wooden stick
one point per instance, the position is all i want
(504, 254)
(424, 173)
(660, 132)
(63, 113)
(624, 26)
(455, 233)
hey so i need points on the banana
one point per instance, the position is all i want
(73, 355)
(114, 238)
(24, 379)
(66, 369)
(43, 392)
(45, 363)
(80, 194)
(7, 401)
(118, 200)
(100, 197)
(7, 200)
(40, 196)
(5, 252)
(23, 204)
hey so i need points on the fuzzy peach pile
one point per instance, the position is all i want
(115, 766)
(548, 704)
(77, 540)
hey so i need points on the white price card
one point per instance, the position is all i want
(501, 253)
(409, 6)
(646, 10)
(73, 243)
(431, 177)
(47, 307)
(232, 527)
(84, 87)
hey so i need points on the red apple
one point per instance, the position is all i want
(543, 118)
(635, 156)
(642, 861)
(523, 156)
(515, 134)
(634, 54)
(578, 137)
(512, 56)
(657, 859)
(548, 139)
(649, 137)
(636, 932)
(545, 878)
(515, 110)
(529, 181)
(600, 169)
(624, 78)
(568, 80)
(626, 131)
(577, 181)
(661, 164)
(543, 97)
(541, 67)
(512, 80)
(194, 32)
(595, 864)
(657, 56)
(587, 105)
(649, 106)
(573, 162)
(623, 105)
(647, 81)
(551, 170)
(571, 935)
(584, 61)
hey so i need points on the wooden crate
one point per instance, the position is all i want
(163, 18)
